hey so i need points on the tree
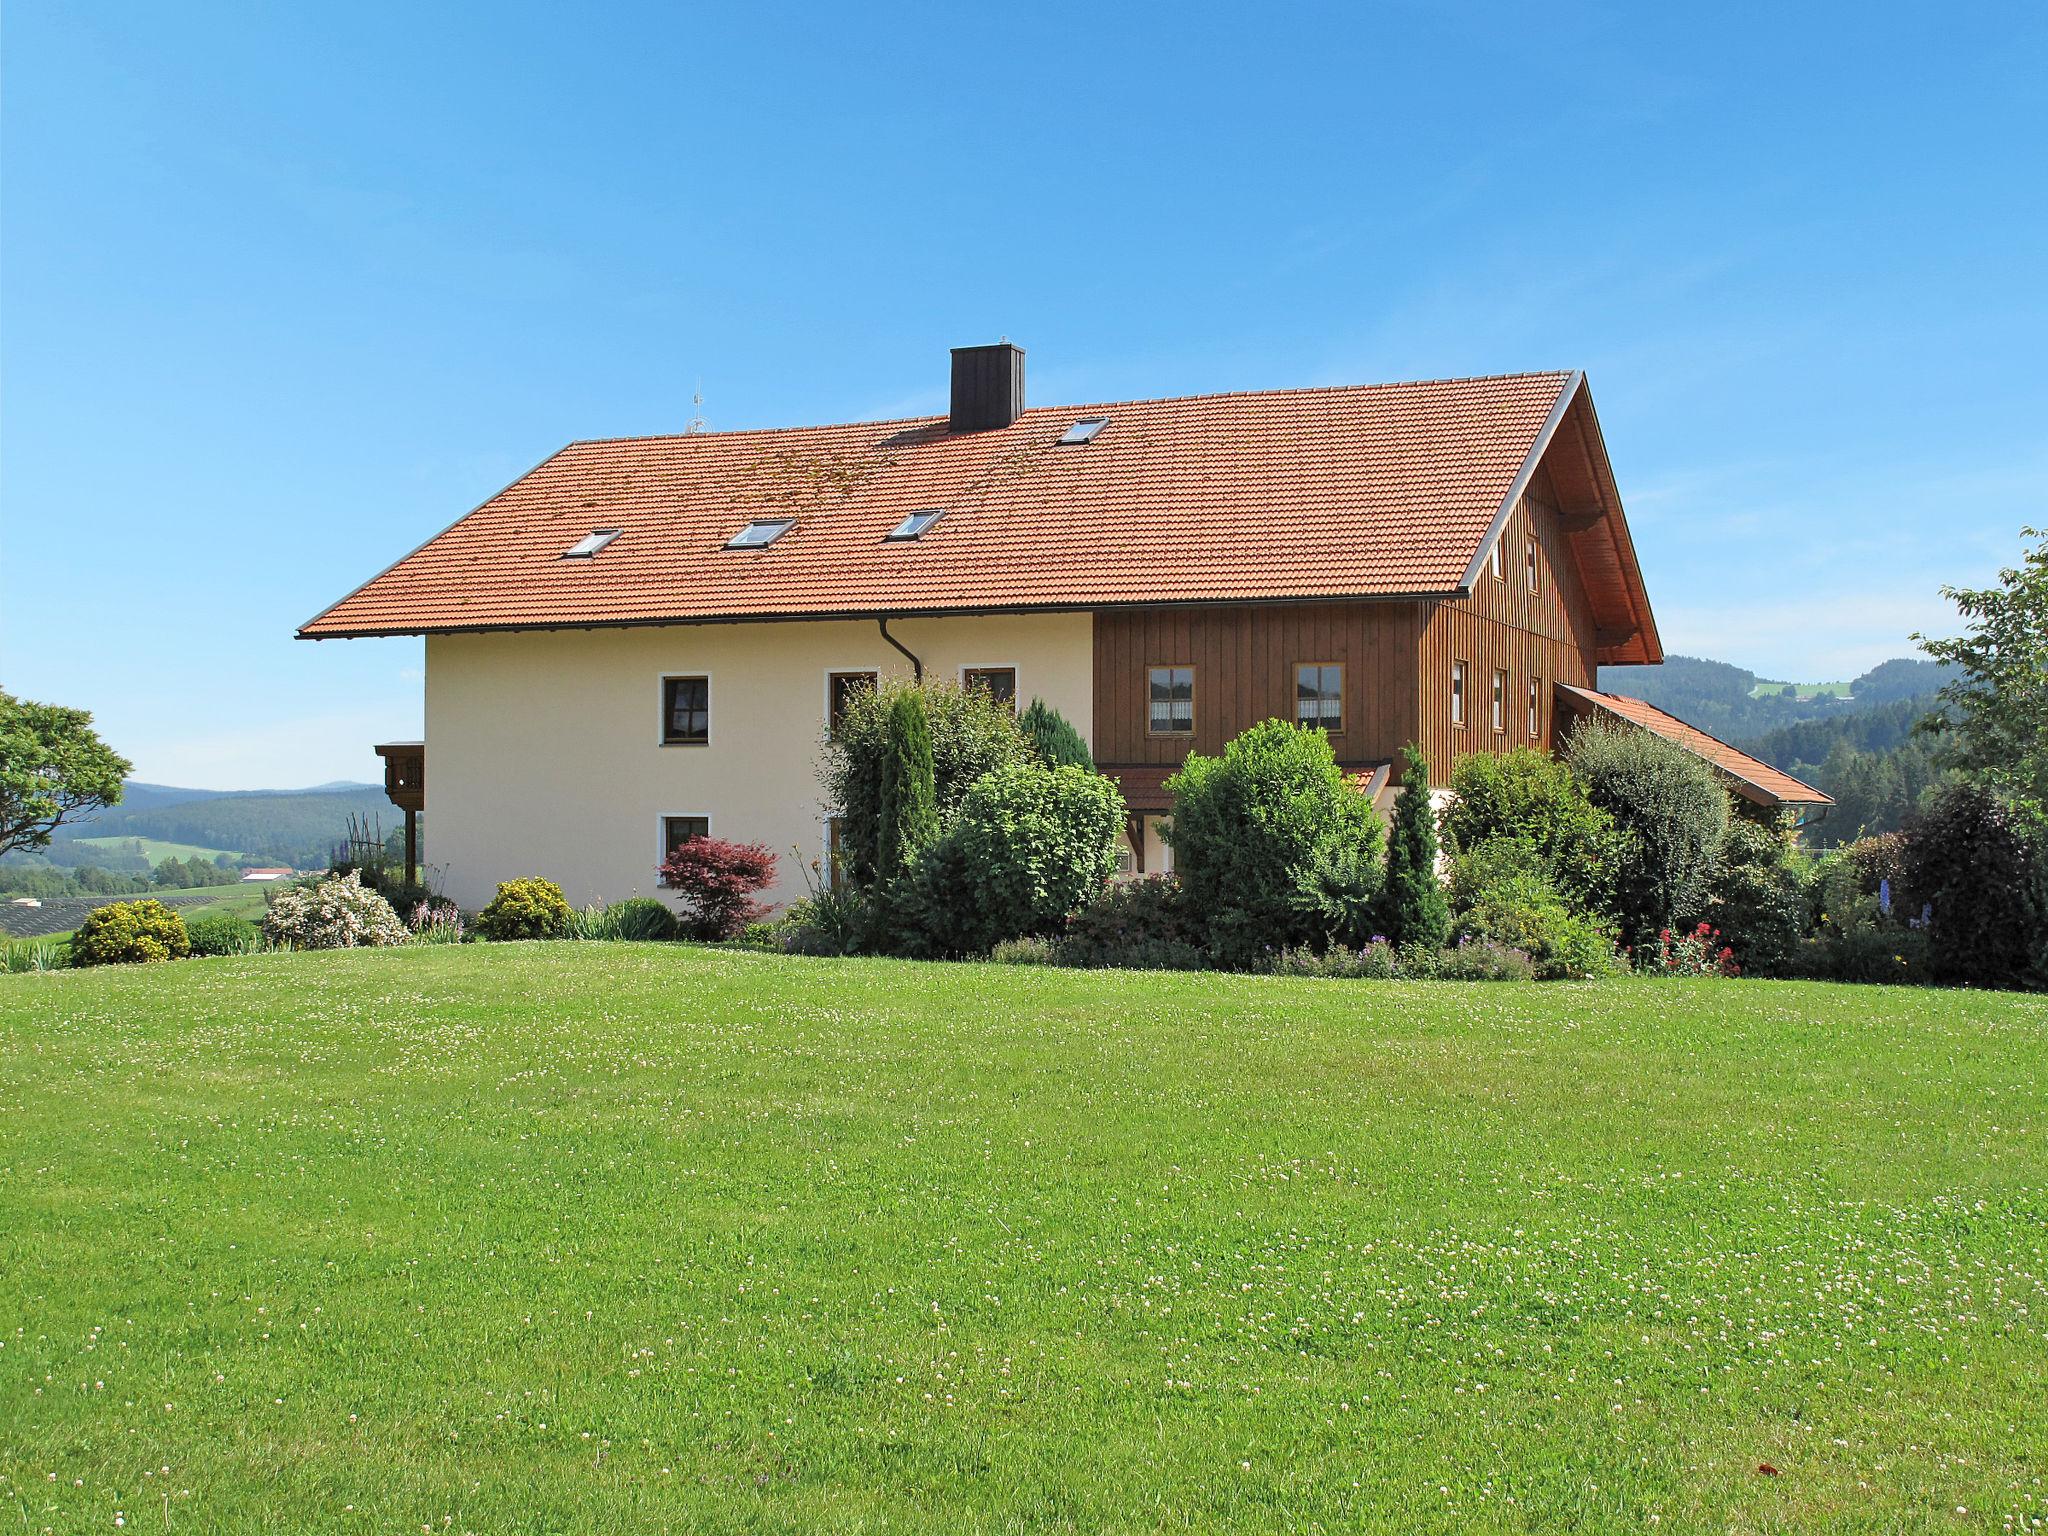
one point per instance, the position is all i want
(1995, 725)
(1415, 909)
(53, 769)
(909, 820)
(1055, 741)
(718, 881)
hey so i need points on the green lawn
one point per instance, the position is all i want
(523, 1238)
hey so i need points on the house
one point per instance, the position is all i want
(264, 875)
(645, 639)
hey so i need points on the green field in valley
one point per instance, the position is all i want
(588, 1237)
(155, 849)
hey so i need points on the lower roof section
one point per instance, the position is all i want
(1752, 778)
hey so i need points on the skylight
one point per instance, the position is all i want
(761, 532)
(914, 525)
(590, 543)
(1084, 430)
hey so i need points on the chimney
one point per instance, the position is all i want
(988, 387)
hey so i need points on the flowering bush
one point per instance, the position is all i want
(1698, 953)
(129, 933)
(525, 909)
(337, 913)
(1467, 960)
(436, 921)
(718, 880)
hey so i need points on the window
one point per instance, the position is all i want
(1083, 431)
(590, 543)
(678, 830)
(685, 711)
(1172, 710)
(1535, 709)
(1500, 701)
(914, 525)
(1457, 693)
(1319, 696)
(1493, 562)
(997, 682)
(1529, 563)
(761, 532)
(839, 687)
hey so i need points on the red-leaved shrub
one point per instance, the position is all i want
(717, 881)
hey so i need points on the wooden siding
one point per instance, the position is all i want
(1244, 660)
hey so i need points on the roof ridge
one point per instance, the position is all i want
(1085, 405)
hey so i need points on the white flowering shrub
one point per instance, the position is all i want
(341, 913)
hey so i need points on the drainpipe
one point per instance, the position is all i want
(916, 666)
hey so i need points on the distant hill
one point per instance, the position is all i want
(296, 827)
(1722, 699)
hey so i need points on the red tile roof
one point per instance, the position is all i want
(1755, 779)
(1366, 491)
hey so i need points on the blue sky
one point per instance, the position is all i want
(283, 290)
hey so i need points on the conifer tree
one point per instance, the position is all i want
(909, 798)
(1053, 738)
(1416, 911)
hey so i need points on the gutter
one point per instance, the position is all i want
(916, 666)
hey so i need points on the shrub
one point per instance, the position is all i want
(907, 821)
(1972, 861)
(1028, 846)
(1880, 863)
(22, 955)
(222, 933)
(1758, 898)
(531, 908)
(1376, 961)
(718, 880)
(436, 921)
(1414, 910)
(335, 913)
(1057, 743)
(129, 933)
(1525, 912)
(1699, 952)
(1253, 827)
(1029, 951)
(972, 732)
(1854, 939)
(1672, 815)
(1468, 960)
(1139, 925)
(1533, 799)
(640, 919)
(827, 922)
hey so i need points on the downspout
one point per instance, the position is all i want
(916, 666)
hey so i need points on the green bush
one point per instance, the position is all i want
(22, 955)
(1135, 925)
(640, 919)
(971, 732)
(1672, 814)
(1028, 846)
(1758, 899)
(1028, 951)
(222, 933)
(1854, 939)
(1376, 961)
(827, 922)
(1535, 800)
(1525, 912)
(1471, 960)
(908, 818)
(1255, 828)
(130, 933)
(1414, 911)
(1056, 742)
(1972, 859)
(525, 909)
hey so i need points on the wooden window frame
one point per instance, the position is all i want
(1494, 562)
(1535, 707)
(662, 737)
(1530, 564)
(968, 670)
(1342, 713)
(1499, 713)
(832, 675)
(1461, 693)
(661, 822)
(1194, 699)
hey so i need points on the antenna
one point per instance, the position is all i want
(697, 421)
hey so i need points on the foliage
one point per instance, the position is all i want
(1034, 950)
(718, 881)
(130, 932)
(1055, 741)
(192, 874)
(339, 912)
(1758, 898)
(907, 820)
(1414, 911)
(1672, 815)
(641, 919)
(1538, 801)
(1697, 952)
(1854, 939)
(436, 922)
(1028, 846)
(1338, 891)
(1974, 861)
(222, 933)
(971, 733)
(42, 954)
(299, 829)
(531, 908)
(44, 883)
(1255, 827)
(1467, 960)
(54, 769)
(1376, 960)
(1525, 912)
(1145, 924)
(1995, 721)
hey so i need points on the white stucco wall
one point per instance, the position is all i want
(544, 754)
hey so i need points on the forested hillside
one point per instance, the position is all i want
(1721, 699)
(299, 828)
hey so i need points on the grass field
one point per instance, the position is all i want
(521, 1238)
(154, 849)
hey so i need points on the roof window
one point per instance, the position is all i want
(761, 532)
(914, 525)
(590, 543)
(1083, 431)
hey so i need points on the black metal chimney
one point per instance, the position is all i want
(988, 387)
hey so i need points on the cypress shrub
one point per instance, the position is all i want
(909, 818)
(1057, 743)
(1416, 912)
